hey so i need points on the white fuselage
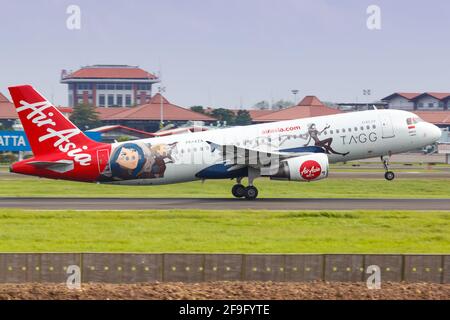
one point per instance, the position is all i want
(347, 136)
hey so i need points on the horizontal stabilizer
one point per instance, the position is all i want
(60, 166)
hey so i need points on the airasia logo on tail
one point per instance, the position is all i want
(62, 142)
(310, 170)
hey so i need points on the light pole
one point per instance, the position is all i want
(294, 92)
(161, 90)
(367, 92)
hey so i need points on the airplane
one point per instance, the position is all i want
(296, 150)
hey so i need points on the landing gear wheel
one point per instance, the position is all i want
(389, 175)
(251, 193)
(238, 190)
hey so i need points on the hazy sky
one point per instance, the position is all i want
(222, 53)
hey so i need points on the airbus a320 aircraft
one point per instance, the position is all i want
(296, 150)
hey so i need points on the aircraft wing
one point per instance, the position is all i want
(233, 154)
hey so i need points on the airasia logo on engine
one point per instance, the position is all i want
(310, 169)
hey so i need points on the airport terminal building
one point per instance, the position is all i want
(412, 101)
(109, 86)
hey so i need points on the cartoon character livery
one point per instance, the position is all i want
(325, 144)
(62, 151)
(137, 160)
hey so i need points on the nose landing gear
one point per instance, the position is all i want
(388, 175)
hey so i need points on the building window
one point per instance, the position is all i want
(127, 86)
(119, 86)
(84, 86)
(143, 86)
(110, 86)
(101, 86)
(110, 100)
(101, 100)
(119, 100)
(128, 100)
(420, 104)
(430, 105)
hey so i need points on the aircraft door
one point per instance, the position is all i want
(102, 159)
(386, 126)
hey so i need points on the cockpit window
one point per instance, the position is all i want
(411, 121)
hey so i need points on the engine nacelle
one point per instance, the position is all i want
(304, 168)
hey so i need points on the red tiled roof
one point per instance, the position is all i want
(254, 113)
(8, 111)
(415, 95)
(258, 113)
(151, 111)
(311, 101)
(118, 126)
(3, 98)
(310, 106)
(157, 99)
(104, 113)
(407, 95)
(437, 95)
(111, 73)
(180, 130)
(435, 117)
(65, 109)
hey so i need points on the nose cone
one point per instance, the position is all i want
(434, 132)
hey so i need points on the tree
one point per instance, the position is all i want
(262, 105)
(123, 138)
(222, 114)
(281, 104)
(198, 109)
(85, 117)
(243, 118)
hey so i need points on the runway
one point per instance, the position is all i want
(223, 204)
(357, 173)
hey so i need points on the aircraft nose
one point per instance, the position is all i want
(435, 132)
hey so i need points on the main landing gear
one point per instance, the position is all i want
(388, 175)
(240, 191)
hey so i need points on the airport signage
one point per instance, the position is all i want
(17, 140)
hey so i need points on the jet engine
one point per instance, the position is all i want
(304, 168)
